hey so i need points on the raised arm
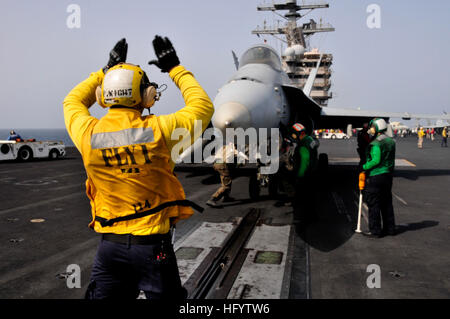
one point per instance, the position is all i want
(76, 107)
(198, 108)
(77, 103)
(198, 105)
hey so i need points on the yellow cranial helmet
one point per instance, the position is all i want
(126, 85)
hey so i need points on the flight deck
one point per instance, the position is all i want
(245, 249)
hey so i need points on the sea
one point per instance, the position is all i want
(57, 134)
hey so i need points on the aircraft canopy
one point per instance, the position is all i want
(261, 54)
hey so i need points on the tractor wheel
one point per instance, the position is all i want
(25, 154)
(54, 154)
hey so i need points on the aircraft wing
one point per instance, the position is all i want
(439, 124)
(329, 117)
(340, 118)
(301, 102)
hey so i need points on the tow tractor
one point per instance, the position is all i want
(26, 150)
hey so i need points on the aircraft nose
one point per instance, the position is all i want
(231, 115)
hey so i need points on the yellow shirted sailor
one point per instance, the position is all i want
(135, 197)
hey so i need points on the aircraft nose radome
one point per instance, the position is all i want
(231, 115)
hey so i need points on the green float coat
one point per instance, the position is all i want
(308, 156)
(380, 156)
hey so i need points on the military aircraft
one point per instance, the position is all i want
(260, 95)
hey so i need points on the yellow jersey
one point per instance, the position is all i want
(127, 156)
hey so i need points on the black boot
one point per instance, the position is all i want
(371, 235)
(213, 202)
(228, 199)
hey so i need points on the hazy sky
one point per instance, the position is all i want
(403, 66)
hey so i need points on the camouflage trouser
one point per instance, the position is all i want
(225, 180)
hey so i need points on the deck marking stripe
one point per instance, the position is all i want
(412, 164)
(400, 199)
(42, 202)
(65, 187)
(399, 162)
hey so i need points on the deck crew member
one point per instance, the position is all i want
(288, 147)
(444, 137)
(224, 163)
(379, 169)
(134, 194)
(305, 165)
(420, 136)
(13, 136)
(364, 140)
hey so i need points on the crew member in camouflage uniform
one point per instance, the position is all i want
(224, 162)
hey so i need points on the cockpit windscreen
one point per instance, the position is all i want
(261, 54)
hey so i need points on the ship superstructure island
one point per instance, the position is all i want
(299, 59)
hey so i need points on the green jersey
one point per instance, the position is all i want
(380, 156)
(307, 151)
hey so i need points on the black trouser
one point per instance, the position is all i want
(362, 155)
(444, 142)
(120, 271)
(378, 196)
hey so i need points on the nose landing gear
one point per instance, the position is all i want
(259, 181)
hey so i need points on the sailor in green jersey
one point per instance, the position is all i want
(379, 169)
(305, 164)
(308, 156)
